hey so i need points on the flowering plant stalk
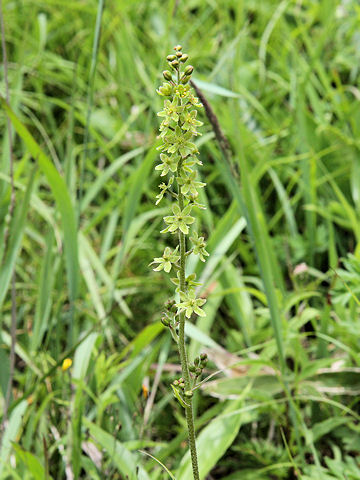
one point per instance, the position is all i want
(178, 163)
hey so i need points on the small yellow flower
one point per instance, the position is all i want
(145, 391)
(66, 364)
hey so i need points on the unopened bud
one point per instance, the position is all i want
(183, 58)
(170, 58)
(192, 368)
(184, 79)
(179, 54)
(188, 70)
(174, 63)
(178, 48)
(165, 89)
(176, 383)
(203, 356)
(182, 385)
(165, 321)
(167, 75)
(188, 394)
(181, 380)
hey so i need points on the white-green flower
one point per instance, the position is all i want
(168, 259)
(191, 304)
(189, 184)
(180, 220)
(199, 246)
(169, 163)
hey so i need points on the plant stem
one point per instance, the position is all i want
(182, 348)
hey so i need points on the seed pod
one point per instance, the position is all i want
(167, 75)
(188, 394)
(170, 58)
(188, 70)
(178, 48)
(183, 58)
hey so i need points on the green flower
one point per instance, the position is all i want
(199, 246)
(180, 220)
(190, 122)
(171, 111)
(180, 142)
(168, 164)
(191, 304)
(163, 187)
(168, 259)
(188, 183)
(165, 90)
(190, 283)
(194, 101)
(182, 91)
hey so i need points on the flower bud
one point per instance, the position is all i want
(182, 385)
(174, 63)
(176, 383)
(165, 90)
(198, 371)
(192, 368)
(184, 79)
(170, 58)
(179, 54)
(165, 321)
(203, 356)
(188, 394)
(181, 380)
(178, 48)
(204, 363)
(169, 304)
(167, 75)
(188, 70)
(183, 58)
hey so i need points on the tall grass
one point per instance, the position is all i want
(282, 227)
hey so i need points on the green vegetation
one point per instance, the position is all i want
(280, 151)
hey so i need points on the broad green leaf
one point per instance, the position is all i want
(214, 440)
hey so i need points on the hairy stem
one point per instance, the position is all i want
(182, 348)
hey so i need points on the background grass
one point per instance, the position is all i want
(282, 225)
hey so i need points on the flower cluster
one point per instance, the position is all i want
(178, 162)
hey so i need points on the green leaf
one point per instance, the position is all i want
(11, 432)
(214, 440)
(122, 458)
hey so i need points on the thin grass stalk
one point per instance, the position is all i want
(6, 235)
